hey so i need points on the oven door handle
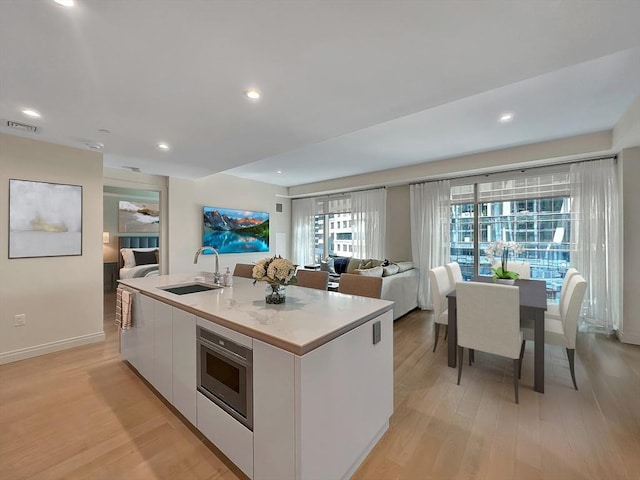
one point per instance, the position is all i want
(225, 353)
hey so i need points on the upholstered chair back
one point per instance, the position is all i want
(570, 308)
(489, 318)
(313, 279)
(243, 270)
(455, 273)
(440, 287)
(360, 285)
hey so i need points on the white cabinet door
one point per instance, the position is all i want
(184, 363)
(143, 336)
(274, 413)
(227, 434)
(345, 400)
(163, 349)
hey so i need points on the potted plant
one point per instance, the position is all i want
(501, 250)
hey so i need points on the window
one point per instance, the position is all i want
(339, 242)
(532, 210)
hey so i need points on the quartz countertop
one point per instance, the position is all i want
(309, 318)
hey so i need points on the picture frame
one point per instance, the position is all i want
(138, 217)
(45, 219)
(235, 231)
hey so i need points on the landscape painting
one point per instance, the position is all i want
(235, 231)
(45, 219)
(136, 217)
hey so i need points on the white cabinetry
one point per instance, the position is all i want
(163, 349)
(184, 363)
(161, 345)
(334, 402)
(230, 436)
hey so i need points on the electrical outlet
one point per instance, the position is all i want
(19, 320)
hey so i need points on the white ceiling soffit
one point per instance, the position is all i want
(366, 85)
(589, 97)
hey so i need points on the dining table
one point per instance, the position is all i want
(533, 304)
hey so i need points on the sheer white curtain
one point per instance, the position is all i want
(302, 213)
(596, 243)
(369, 215)
(430, 218)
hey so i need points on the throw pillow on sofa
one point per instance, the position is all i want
(390, 270)
(404, 266)
(327, 265)
(353, 264)
(369, 272)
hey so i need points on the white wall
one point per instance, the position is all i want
(629, 163)
(626, 133)
(186, 199)
(398, 238)
(61, 296)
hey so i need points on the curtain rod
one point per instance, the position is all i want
(522, 169)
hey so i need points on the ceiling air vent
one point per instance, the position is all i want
(22, 126)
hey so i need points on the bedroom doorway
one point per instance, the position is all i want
(131, 218)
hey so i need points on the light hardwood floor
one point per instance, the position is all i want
(84, 414)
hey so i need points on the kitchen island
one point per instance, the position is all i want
(322, 371)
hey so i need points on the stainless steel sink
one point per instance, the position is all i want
(189, 288)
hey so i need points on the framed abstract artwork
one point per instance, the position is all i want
(137, 217)
(235, 231)
(45, 219)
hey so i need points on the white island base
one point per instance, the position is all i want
(316, 415)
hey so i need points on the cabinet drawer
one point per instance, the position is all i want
(226, 433)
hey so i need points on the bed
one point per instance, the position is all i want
(139, 257)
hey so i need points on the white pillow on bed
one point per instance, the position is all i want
(129, 258)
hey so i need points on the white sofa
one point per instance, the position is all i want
(401, 288)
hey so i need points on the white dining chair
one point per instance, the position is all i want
(553, 311)
(455, 273)
(523, 269)
(440, 287)
(488, 320)
(562, 332)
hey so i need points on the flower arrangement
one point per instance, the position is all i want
(275, 271)
(501, 250)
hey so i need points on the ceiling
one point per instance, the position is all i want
(348, 87)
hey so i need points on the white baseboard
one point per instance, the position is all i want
(628, 338)
(37, 350)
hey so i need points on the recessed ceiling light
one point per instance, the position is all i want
(65, 3)
(163, 146)
(95, 145)
(253, 94)
(279, 172)
(506, 117)
(30, 112)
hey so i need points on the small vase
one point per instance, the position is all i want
(275, 294)
(505, 281)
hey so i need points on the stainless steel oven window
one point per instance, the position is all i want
(225, 375)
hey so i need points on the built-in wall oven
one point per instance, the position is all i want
(225, 375)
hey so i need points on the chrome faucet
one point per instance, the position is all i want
(216, 273)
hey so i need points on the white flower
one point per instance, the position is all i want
(276, 271)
